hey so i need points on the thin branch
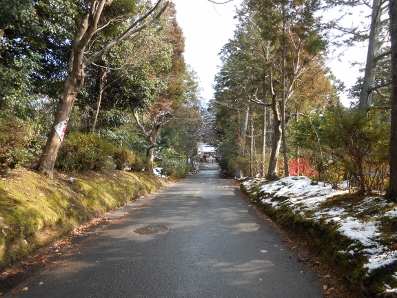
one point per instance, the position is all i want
(129, 31)
(376, 89)
(380, 108)
(259, 102)
(117, 19)
(146, 134)
(379, 57)
(229, 106)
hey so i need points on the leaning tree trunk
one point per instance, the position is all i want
(373, 47)
(73, 84)
(102, 74)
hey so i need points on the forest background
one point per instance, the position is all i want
(88, 84)
(114, 100)
(275, 88)
(115, 80)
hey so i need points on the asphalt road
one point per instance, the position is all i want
(195, 238)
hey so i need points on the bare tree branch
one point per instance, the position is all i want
(259, 102)
(129, 31)
(117, 19)
(146, 134)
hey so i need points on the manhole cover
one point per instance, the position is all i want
(151, 230)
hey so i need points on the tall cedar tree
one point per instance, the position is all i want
(392, 190)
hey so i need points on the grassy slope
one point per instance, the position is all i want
(35, 211)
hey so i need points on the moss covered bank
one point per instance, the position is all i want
(35, 211)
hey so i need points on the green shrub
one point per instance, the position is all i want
(122, 157)
(138, 162)
(175, 168)
(227, 155)
(83, 152)
(15, 138)
(244, 165)
(68, 158)
(359, 143)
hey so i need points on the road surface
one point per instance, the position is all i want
(195, 238)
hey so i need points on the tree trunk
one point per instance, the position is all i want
(150, 136)
(284, 139)
(392, 189)
(284, 100)
(244, 125)
(150, 158)
(272, 172)
(73, 84)
(102, 74)
(251, 142)
(361, 175)
(297, 147)
(264, 128)
(373, 48)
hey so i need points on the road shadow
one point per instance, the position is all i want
(209, 166)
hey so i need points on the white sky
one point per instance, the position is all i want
(207, 27)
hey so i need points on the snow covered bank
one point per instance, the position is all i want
(365, 221)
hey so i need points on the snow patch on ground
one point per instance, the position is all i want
(302, 195)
